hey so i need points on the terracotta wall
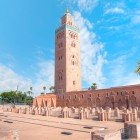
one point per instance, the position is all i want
(45, 100)
(127, 96)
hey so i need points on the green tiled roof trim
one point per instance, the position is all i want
(75, 29)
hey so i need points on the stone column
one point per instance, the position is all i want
(36, 111)
(81, 115)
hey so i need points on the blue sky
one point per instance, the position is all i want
(110, 41)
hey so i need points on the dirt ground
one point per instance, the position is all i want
(36, 127)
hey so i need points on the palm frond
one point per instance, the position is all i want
(138, 68)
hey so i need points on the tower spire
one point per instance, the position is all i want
(67, 9)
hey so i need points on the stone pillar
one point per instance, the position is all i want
(108, 113)
(36, 111)
(81, 115)
(27, 111)
(14, 110)
(135, 117)
(33, 112)
(97, 111)
(43, 113)
(86, 114)
(93, 111)
(23, 111)
(117, 112)
(39, 111)
(47, 112)
(101, 116)
(30, 110)
(64, 114)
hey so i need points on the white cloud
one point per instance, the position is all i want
(10, 79)
(82, 5)
(136, 18)
(117, 70)
(115, 10)
(92, 53)
(45, 77)
(119, 74)
(87, 5)
(115, 7)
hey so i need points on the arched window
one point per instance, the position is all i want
(60, 76)
(73, 44)
(73, 62)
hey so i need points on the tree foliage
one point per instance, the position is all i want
(94, 86)
(52, 88)
(138, 68)
(16, 97)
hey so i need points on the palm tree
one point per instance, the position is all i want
(138, 68)
(51, 88)
(94, 86)
(29, 93)
(31, 88)
(44, 88)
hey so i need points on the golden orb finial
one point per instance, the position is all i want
(67, 11)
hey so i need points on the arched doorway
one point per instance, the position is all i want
(127, 103)
(98, 102)
(67, 103)
(46, 103)
(133, 101)
(120, 104)
(107, 102)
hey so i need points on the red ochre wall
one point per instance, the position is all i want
(125, 96)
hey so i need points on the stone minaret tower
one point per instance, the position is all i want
(67, 56)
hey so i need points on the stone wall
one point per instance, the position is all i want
(106, 135)
(45, 100)
(125, 96)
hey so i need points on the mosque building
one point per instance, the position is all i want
(68, 91)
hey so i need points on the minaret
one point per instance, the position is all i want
(67, 56)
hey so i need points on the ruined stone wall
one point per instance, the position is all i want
(45, 100)
(126, 96)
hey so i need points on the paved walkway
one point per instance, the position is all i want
(36, 127)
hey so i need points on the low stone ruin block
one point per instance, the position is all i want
(132, 130)
(106, 135)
